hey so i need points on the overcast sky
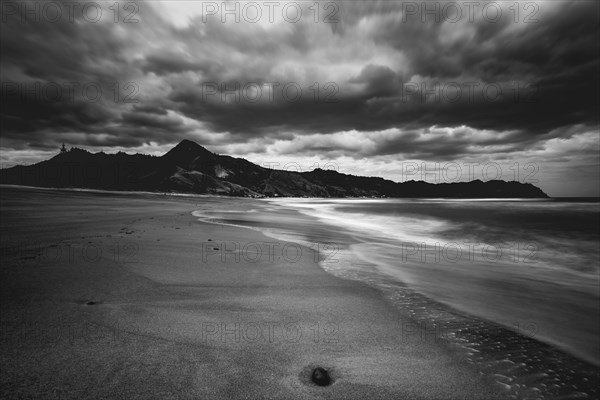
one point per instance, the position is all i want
(379, 88)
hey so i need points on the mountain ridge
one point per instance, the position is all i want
(190, 168)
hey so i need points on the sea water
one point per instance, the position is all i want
(514, 284)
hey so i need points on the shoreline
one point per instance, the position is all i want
(269, 198)
(517, 359)
(375, 247)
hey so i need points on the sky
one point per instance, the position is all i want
(442, 91)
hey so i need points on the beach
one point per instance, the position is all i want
(511, 286)
(300, 200)
(108, 295)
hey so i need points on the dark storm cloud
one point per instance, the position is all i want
(545, 81)
(379, 58)
(380, 81)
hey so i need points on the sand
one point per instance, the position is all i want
(124, 296)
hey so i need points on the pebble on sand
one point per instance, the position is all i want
(320, 377)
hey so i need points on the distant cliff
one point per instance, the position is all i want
(190, 168)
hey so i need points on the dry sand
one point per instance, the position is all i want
(174, 318)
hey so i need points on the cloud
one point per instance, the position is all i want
(385, 79)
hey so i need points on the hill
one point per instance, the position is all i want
(190, 168)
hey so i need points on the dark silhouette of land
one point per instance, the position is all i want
(190, 168)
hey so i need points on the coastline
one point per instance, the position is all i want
(170, 318)
(517, 356)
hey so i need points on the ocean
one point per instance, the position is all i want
(512, 286)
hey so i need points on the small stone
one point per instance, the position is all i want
(320, 377)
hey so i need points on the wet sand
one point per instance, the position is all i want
(124, 296)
